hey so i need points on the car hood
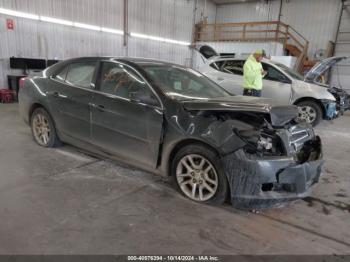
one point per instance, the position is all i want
(279, 114)
(314, 90)
(322, 67)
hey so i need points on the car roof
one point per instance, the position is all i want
(216, 59)
(138, 61)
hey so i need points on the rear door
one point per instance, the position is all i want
(69, 96)
(230, 76)
(127, 128)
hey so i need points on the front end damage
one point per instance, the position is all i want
(342, 101)
(261, 179)
(268, 159)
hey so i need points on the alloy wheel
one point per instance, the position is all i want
(307, 113)
(41, 129)
(197, 177)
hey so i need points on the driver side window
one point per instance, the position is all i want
(120, 80)
(274, 75)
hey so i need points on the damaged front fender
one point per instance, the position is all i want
(264, 182)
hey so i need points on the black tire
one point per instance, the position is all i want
(315, 107)
(208, 154)
(53, 140)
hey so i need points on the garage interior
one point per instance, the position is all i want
(67, 201)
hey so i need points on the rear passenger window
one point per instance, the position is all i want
(217, 65)
(80, 74)
(234, 67)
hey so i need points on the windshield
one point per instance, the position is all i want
(290, 71)
(184, 83)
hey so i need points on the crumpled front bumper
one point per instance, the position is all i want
(341, 104)
(265, 182)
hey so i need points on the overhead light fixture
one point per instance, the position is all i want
(86, 26)
(139, 35)
(160, 39)
(55, 20)
(89, 27)
(18, 14)
(112, 31)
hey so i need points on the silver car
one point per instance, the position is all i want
(284, 85)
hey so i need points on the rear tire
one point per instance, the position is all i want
(43, 129)
(310, 112)
(198, 173)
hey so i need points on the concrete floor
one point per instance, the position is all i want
(60, 201)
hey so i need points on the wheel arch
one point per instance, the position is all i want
(317, 101)
(182, 143)
(40, 105)
(33, 107)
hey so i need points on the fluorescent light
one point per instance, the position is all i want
(18, 14)
(155, 38)
(86, 26)
(139, 35)
(160, 39)
(56, 20)
(113, 31)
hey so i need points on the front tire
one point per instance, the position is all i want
(198, 174)
(43, 128)
(310, 112)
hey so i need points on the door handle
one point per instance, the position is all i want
(55, 94)
(100, 108)
(220, 79)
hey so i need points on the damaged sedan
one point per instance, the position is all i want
(174, 121)
(315, 101)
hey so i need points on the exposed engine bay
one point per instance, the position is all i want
(269, 159)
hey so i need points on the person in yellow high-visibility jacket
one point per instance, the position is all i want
(253, 74)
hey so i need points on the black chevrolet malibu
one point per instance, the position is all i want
(174, 121)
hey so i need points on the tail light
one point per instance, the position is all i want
(21, 82)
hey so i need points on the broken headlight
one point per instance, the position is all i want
(261, 142)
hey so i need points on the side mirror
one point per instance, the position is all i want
(140, 97)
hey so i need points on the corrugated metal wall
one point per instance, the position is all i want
(314, 19)
(341, 72)
(164, 18)
(248, 12)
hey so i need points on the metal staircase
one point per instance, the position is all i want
(266, 31)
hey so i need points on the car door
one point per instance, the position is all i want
(230, 76)
(276, 85)
(124, 125)
(69, 97)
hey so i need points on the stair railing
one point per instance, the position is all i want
(264, 31)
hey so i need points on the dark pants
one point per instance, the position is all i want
(251, 92)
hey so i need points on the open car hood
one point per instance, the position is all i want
(321, 67)
(280, 115)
